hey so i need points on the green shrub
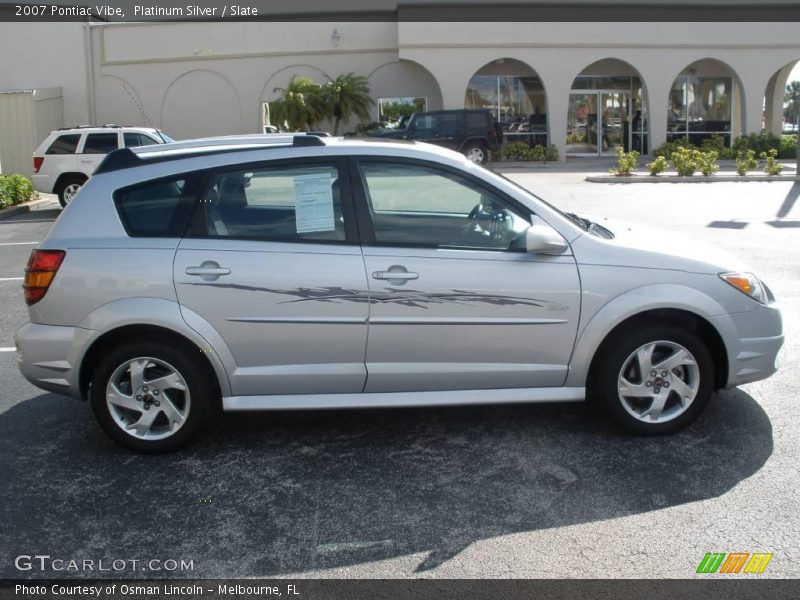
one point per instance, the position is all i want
(626, 162)
(746, 161)
(657, 166)
(521, 151)
(772, 166)
(716, 143)
(685, 161)
(788, 146)
(514, 151)
(668, 148)
(15, 189)
(707, 162)
(551, 153)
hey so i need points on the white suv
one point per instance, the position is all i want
(67, 157)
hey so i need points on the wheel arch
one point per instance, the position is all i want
(114, 337)
(679, 318)
(676, 305)
(66, 177)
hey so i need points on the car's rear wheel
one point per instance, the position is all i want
(653, 379)
(68, 188)
(477, 153)
(150, 396)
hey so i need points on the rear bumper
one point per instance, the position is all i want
(43, 183)
(48, 356)
(753, 352)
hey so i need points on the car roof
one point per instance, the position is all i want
(102, 128)
(126, 158)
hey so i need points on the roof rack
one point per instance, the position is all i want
(126, 158)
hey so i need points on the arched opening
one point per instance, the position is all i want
(782, 101)
(706, 100)
(607, 110)
(515, 94)
(402, 88)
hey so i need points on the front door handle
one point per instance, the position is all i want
(208, 270)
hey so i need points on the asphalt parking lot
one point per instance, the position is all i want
(523, 491)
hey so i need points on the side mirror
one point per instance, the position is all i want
(540, 238)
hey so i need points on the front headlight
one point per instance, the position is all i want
(747, 283)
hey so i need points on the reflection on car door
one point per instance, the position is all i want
(272, 262)
(455, 303)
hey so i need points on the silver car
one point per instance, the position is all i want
(307, 272)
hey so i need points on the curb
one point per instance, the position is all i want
(691, 179)
(20, 209)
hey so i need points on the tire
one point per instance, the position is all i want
(170, 404)
(477, 153)
(68, 187)
(685, 389)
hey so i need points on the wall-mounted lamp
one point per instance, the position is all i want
(335, 37)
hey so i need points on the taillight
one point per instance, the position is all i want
(40, 272)
(37, 163)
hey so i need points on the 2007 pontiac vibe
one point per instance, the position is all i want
(308, 272)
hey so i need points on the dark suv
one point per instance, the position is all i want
(471, 132)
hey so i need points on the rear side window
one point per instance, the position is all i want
(100, 143)
(157, 208)
(283, 203)
(133, 140)
(64, 144)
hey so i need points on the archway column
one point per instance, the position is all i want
(776, 88)
(754, 82)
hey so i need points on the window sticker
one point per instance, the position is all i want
(313, 203)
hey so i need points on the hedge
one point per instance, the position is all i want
(15, 189)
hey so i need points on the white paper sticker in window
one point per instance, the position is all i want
(313, 203)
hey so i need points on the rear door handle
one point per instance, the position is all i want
(395, 275)
(208, 270)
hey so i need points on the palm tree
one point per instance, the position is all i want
(347, 96)
(300, 105)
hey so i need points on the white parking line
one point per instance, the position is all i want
(18, 243)
(11, 278)
(12, 349)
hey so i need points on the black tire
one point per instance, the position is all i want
(193, 371)
(477, 153)
(615, 353)
(66, 185)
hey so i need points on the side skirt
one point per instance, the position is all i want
(400, 399)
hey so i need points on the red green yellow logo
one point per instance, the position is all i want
(734, 562)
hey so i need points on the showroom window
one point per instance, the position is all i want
(699, 108)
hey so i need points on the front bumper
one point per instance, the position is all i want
(48, 356)
(753, 340)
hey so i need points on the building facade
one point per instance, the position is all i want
(585, 87)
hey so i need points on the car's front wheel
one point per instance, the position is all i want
(150, 396)
(653, 379)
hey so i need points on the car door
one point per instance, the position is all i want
(271, 260)
(94, 150)
(456, 302)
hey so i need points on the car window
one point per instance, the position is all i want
(288, 203)
(100, 143)
(157, 208)
(64, 144)
(420, 205)
(133, 140)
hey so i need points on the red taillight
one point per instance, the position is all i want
(37, 163)
(40, 272)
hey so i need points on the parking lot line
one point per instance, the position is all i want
(11, 278)
(18, 243)
(11, 349)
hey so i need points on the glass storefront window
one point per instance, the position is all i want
(699, 108)
(517, 102)
(392, 110)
